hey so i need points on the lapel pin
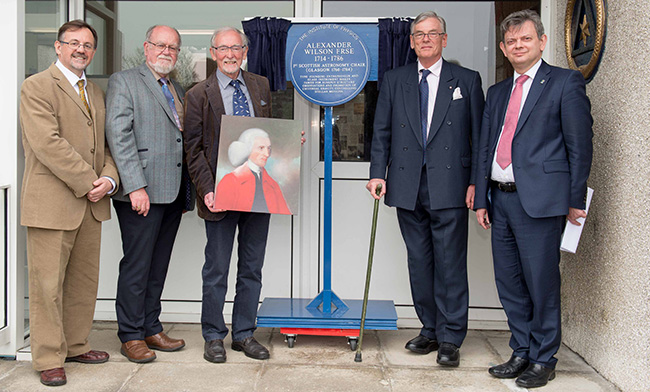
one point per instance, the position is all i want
(542, 81)
(450, 87)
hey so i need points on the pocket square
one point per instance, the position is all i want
(263, 102)
(457, 95)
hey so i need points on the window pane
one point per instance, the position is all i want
(42, 21)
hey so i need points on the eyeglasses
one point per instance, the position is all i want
(223, 48)
(431, 34)
(162, 47)
(74, 45)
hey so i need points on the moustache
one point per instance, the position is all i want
(165, 57)
(80, 56)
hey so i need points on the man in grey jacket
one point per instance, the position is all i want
(144, 132)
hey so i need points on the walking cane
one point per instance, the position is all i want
(357, 357)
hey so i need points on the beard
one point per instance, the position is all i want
(163, 67)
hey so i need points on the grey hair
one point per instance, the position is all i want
(240, 150)
(244, 38)
(426, 15)
(150, 30)
(518, 18)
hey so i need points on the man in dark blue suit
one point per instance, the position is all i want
(534, 159)
(426, 126)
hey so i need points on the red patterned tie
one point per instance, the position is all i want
(504, 151)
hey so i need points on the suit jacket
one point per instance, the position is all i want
(65, 152)
(551, 148)
(397, 145)
(236, 191)
(203, 110)
(142, 134)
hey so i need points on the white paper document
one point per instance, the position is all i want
(572, 233)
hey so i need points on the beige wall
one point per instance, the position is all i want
(606, 285)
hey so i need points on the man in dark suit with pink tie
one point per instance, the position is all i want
(534, 160)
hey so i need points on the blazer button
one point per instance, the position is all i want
(178, 165)
(446, 147)
(485, 177)
(402, 125)
(92, 150)
(448, 166)
(406, 148)
(448, 122)
(90, 122)
(178, 140)
(401, 168)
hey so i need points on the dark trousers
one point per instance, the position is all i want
(253, 232)
(147, 244)
(436, 243)
(526, 253)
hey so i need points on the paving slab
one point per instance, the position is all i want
(318, 378)
(164, 376)
(443, 380)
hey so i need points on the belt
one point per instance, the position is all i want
(505, 186)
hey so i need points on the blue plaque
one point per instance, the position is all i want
(329, 65)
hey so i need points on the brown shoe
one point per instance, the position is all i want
(137, 351)
(162, 342)
(53, 377)
(92, 356)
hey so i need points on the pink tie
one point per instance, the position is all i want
(504, 151)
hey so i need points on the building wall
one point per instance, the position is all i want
(606, 285)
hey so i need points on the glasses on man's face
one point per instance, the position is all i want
(162, 47)
(431, 34)
(74, 45)
(223, 49)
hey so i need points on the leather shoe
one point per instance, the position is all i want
(92, 356)
(252, 348)
(214, 351)
(535, 376)
(53, 377)
(422, 345)
(162, 342)
(137, 351)
(448, 354)
(511, 369)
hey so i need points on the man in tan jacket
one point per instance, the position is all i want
(68, 173)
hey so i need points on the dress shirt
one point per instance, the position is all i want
(227, 91)
(432, 80)
(73, 79)
(507, 175)
(254, 168)
(177, 102)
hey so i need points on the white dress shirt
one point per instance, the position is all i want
(432, 80)
(507, 175)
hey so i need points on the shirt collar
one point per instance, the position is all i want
(531, 72)
(252, 166)
(72, 78)
(225, 80)
(435, 68)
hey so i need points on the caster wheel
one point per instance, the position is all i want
(353, 343)
(291, 340)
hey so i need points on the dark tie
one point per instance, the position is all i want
(259, 202)
(504, 151)
(239, 102)
(170, 100)
(424, 112)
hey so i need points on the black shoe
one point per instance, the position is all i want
(535, 376)
(251, 348)
(422, 345)
(511, 369)
(213, 351)
(448, 355)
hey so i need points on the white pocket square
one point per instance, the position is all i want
(457, 95)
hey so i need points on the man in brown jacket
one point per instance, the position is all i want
(68, 173)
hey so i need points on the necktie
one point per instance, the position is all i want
(82, 95)
(424, 112)
(239, 102)
(170, 100)
(504, 151)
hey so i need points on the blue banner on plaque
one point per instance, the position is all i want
(329, 64)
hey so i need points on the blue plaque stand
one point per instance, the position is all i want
(329, 66)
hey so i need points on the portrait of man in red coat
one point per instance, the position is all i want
(249, 187)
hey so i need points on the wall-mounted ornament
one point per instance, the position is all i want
(584, 35)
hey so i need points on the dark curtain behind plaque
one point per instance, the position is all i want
(266, 49)
(394, 45)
